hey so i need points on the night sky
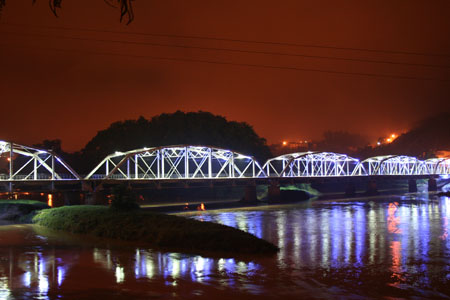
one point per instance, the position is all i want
(52, 87)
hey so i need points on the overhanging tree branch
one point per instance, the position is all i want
(126, 8)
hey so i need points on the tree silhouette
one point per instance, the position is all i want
(126, 8)
(179, 128)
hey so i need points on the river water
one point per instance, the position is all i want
(379, 247)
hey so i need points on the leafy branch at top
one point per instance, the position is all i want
(125, 6)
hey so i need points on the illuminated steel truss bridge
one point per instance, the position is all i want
(177, 162)
(170, 163)
(23, 163)
(328, 164)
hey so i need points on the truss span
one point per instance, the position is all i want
(399, 165)
(310, 164)
(23, 163)
(177, 162)
(438, 166)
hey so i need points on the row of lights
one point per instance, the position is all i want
(285, 143)
(388, 140)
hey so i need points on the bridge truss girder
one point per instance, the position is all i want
(310, 164)
(398, 165)
(25, 163)
(438, 166)
(176, 162)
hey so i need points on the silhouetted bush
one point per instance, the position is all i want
(123, 199)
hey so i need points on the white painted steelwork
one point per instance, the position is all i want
(391, 165)
(18, 162)
(30, 163)
(177, 162)
(438, 166)
(310, 164)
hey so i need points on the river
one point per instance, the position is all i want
(378, 247)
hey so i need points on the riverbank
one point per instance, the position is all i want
(157, 230)
(20, 211)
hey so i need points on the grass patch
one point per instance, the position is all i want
(20, 210)
(159, 230)
(28, 202)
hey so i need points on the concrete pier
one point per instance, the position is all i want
(274, 193)
(72, 198)
(412, 186)
(372, 189)
(432, 185)
(250, 194)
(350, 189)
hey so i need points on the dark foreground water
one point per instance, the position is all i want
(387, 247)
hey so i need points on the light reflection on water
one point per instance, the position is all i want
(366, 247)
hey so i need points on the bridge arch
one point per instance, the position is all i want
(177, 162)
(31, 163)
(310, 164)
(438, 166)
(391, 165)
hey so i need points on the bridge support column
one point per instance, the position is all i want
(250, 194)
(86, 187)
(432, 185)
(274, 193)
(11, 187)
(97, 197)
(350, 190)
(71, 198)
(372, 189)
(52, 186)
(412, 186)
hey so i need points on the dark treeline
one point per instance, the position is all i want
(203, 128)
(179, 128)
(341, 142)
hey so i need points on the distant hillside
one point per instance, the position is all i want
(426, 138)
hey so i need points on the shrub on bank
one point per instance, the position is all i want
(159, 230)
(20, 210)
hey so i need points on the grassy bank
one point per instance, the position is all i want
(159, 230)
(19, 210)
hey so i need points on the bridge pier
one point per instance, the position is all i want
(274, 192)
(97, 197)
(350, 189)
(250, 194)
(372, 189)
(412, 186)
(86, 187)
(71, 198)
(432, 185)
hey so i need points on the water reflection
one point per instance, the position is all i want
(395, 242)
(408, 237)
